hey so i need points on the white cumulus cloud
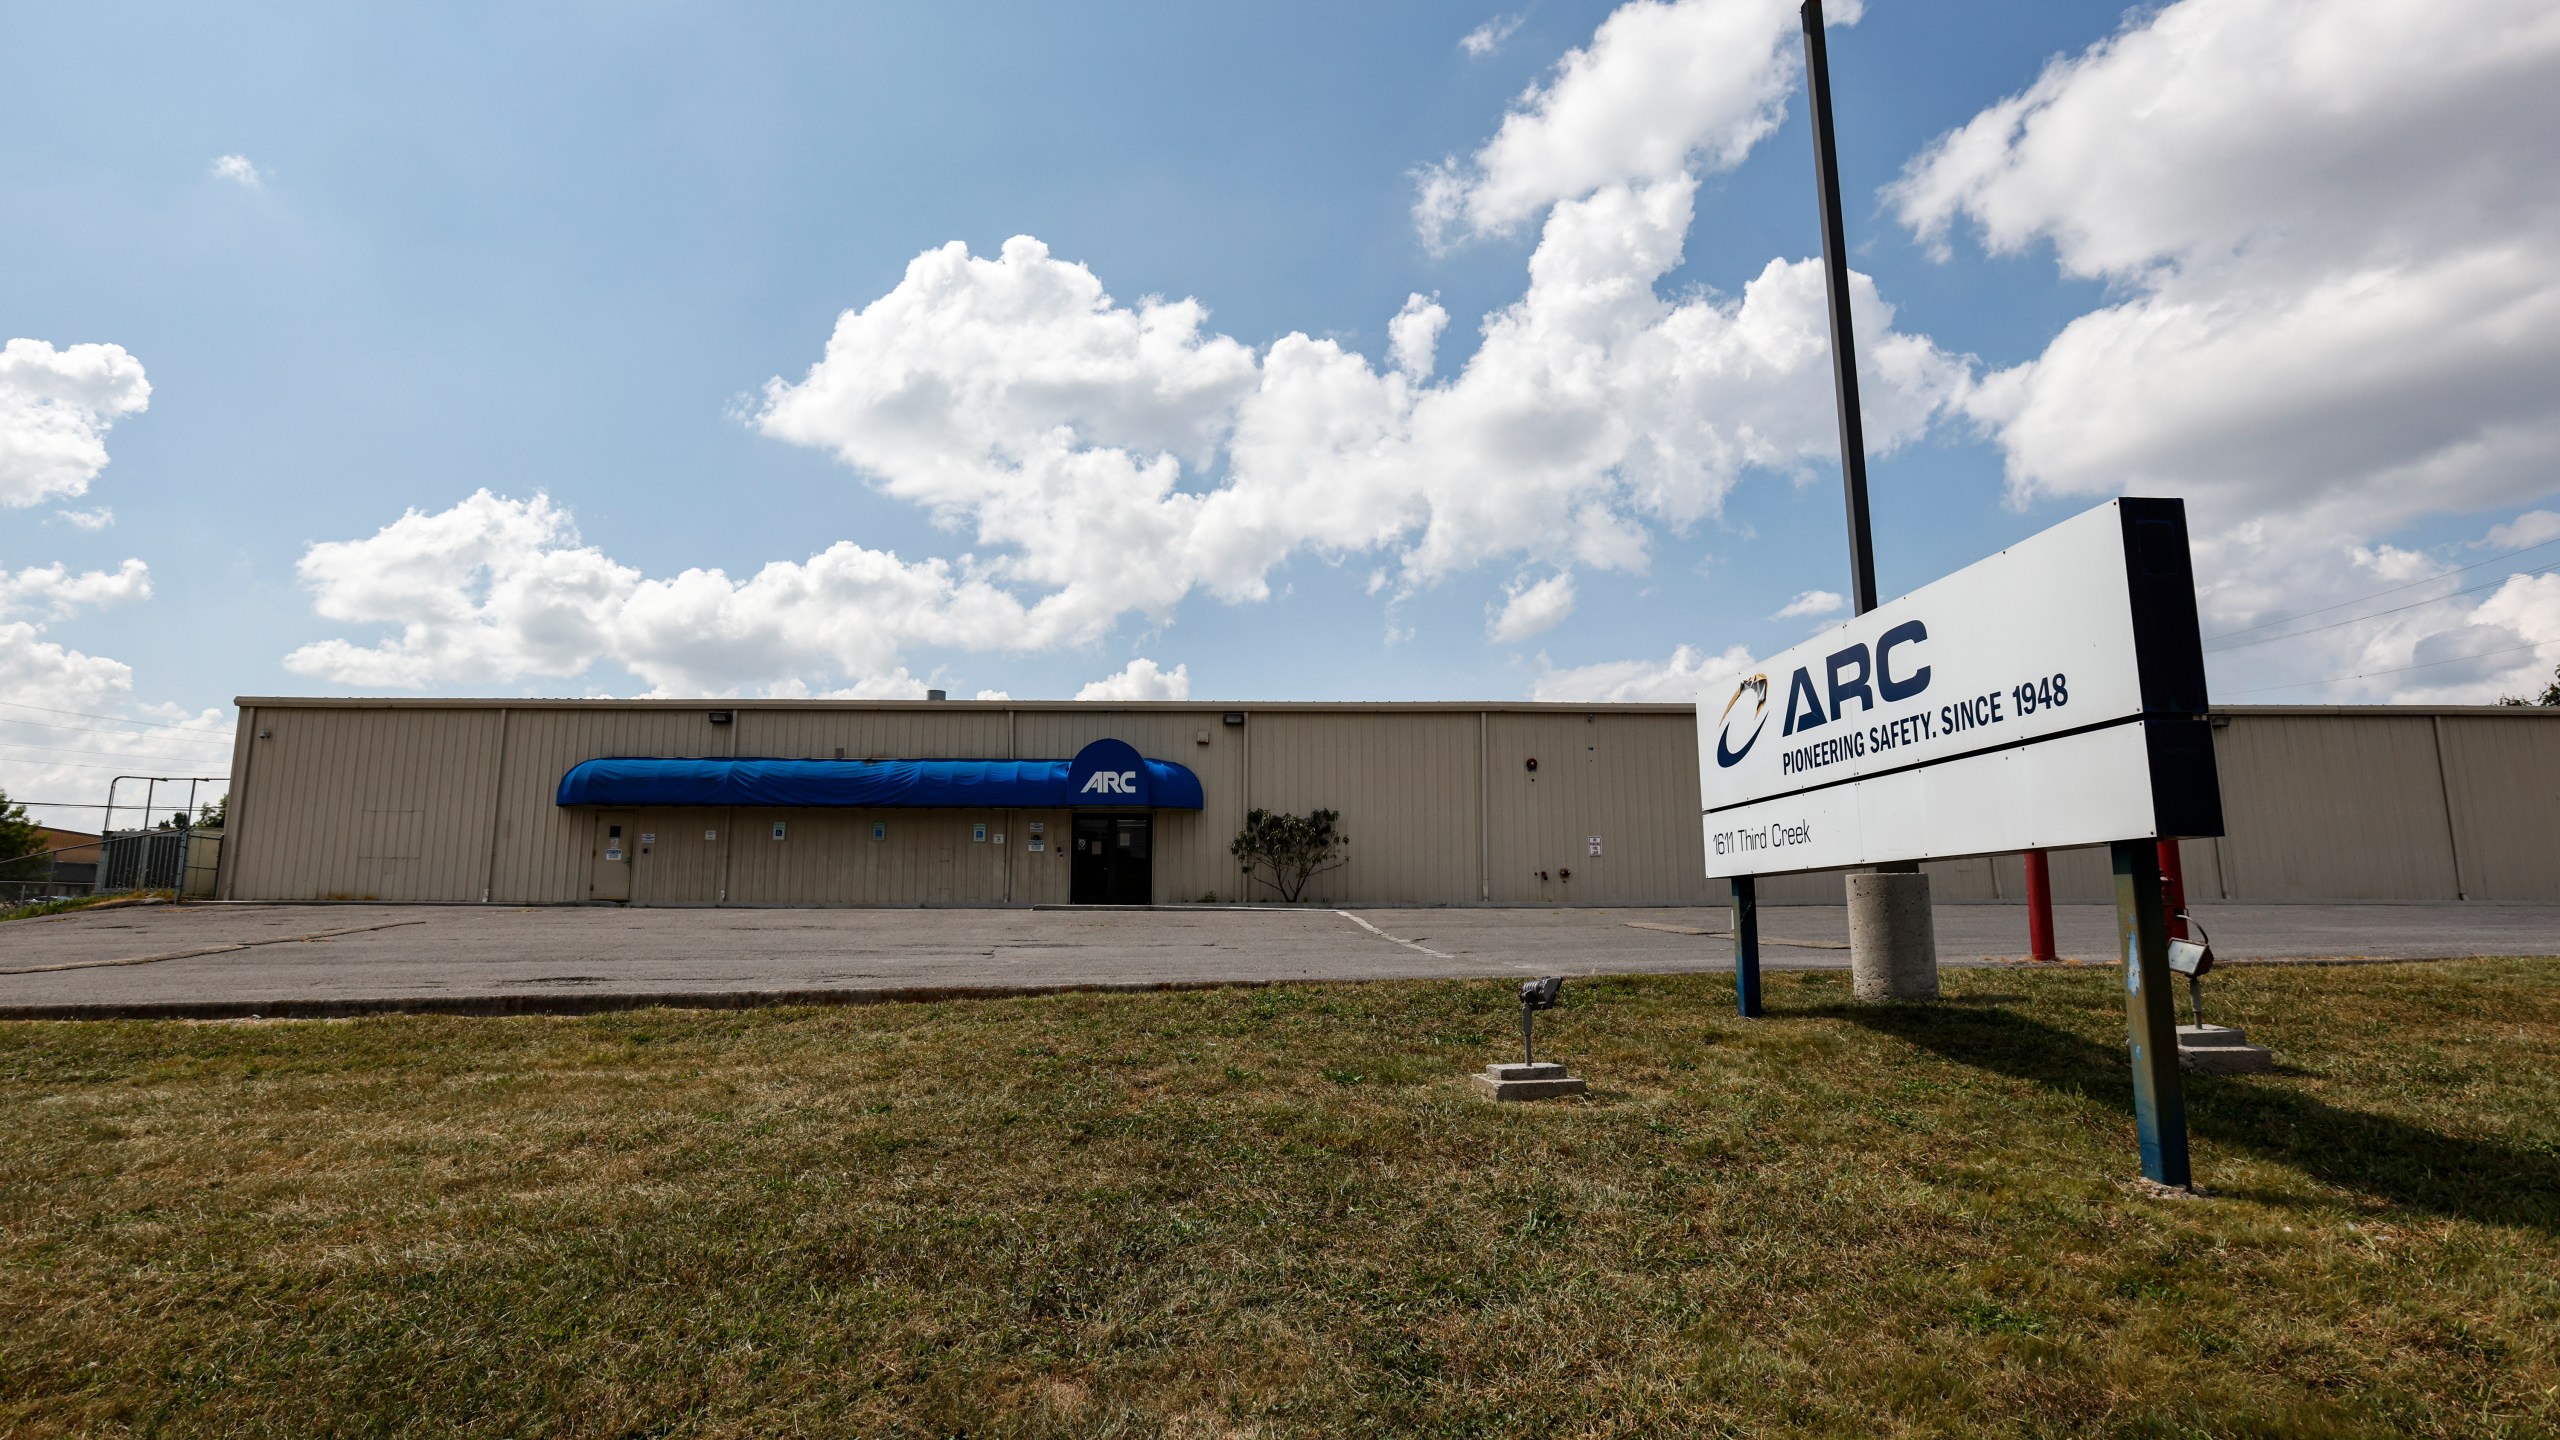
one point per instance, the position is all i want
(1104, 459)
(1677, 679)
(499, 589)
(55, 409)
(1810, 603)
(53, 592)
(68, 720)
(1413, 337)
(1124, 456)
(1141, 679)
(237, 170)
(1662, 90)
(2379, 624)
(2333, 231)
(2337, 227)
(2533, 527)
(1487, 38)
(1529, 610)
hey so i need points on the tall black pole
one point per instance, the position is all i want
(1844, 349)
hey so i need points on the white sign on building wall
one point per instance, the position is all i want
(2051, 695)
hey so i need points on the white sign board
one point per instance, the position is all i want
(2050, 695)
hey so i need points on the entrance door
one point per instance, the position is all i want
(1114, 862)
(609, 865)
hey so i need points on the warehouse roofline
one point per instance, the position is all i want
(1301, 707)
(996, 707)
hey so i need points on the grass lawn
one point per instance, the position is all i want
(63, 904)
(1280, 1212)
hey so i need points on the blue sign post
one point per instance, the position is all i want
(1746, 945)
(2150, 1013)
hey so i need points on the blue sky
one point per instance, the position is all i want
(561, 249)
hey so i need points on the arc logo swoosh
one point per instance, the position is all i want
(1757, 687)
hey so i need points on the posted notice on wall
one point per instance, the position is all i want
(2050, 695)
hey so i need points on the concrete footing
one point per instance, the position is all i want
(1893, 945)
(1541, 1081)
(2222, 1050)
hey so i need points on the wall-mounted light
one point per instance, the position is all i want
(722, 717)
(1232, 717)
(1533, 762)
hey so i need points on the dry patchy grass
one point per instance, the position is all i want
(1280, 1213)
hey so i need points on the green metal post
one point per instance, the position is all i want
(2150, 1012)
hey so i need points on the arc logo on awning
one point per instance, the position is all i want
(1110, 772)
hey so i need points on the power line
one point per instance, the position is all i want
(2378, 594)
(144, 758)
(2378, 614)
(211, 737)
(79, 765)
(93, 805)
(118, 719)
(2402, 670)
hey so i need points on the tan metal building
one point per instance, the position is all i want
(1445, 804)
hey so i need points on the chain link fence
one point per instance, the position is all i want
(181, 862)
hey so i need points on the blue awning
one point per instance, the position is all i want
(1105, 773)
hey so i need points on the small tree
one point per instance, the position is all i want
(22, 847)
(1293, 848)
(2550, 693)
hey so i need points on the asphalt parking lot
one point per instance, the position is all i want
(325, 959)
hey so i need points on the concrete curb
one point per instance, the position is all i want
(610, 1002)
(602, 1003)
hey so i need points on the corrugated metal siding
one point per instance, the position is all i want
(241, 739)
(543, 851)
(1406, 786)
(410, 801)
(873, 734)
(1631, 780)
(827, 857)
(367, 805)
(2333, 807)
(2505, 776)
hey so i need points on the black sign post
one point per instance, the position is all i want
(1844, 349)
(1853, 443)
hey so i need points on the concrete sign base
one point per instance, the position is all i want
(1541, 1081)
(1893, 951)
(2222, 1050)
